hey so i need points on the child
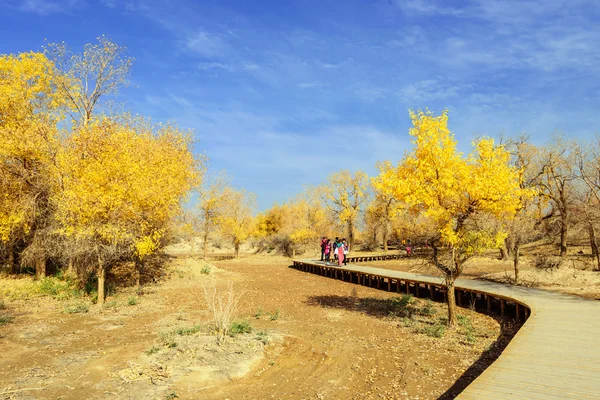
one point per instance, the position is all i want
(346, 251)
(327, 251)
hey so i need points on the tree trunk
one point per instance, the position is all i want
(12, 267)
(70, 267)
(237, 250)
(350, 234)
(205, 245)
(593, 243)
(515, 256)
(564, 220)
(385, 237)
(503, 253)
(138, 272)
(40, 268)
(101, 278)
(451, 300)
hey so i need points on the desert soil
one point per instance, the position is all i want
(312, 338)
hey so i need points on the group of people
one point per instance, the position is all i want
(339, 249)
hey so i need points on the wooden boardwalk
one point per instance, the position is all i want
(555, 354)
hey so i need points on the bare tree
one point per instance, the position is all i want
(558, 175)
(102, 69)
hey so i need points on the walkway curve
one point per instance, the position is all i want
(555, 354)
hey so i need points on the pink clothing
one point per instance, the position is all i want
(340, 253)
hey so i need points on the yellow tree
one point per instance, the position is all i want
(345, 195)
(453, 193)
(123, 183)
(30, 108)
(236, 221)
(382, 210)
(100, 70)
(210, 208)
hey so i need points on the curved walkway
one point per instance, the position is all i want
(555, 354)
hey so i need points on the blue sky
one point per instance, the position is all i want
(283, 93)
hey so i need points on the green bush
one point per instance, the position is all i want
(78, 308)
(275, 316)
(188, 330)
(258, 313)
(5, 319)
(262, 337)
(436, 330)
(111, 304)
(239, 327)
(59, 289)
(152, 350)
(206, 270)
(132, 301)
(428, 309)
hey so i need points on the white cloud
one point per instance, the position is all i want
(46, 7)
(208, 45)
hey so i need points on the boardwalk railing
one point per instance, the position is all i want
(432, 288)
(554, 355)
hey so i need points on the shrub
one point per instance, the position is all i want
(167, 339)
(188, 330)
(465, 322)
(132, 301)
(78, 308)
(111, 304)
(544, 262)
(436, 330)
(59, 289)
(222, 305)
(428, 309)
(5, 319)
(275, 316)
(152, 350)
(239, 328)
(262, 337)
(2, 305)
(206, 270)
(258, 313)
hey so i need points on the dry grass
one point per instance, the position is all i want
(223, 305)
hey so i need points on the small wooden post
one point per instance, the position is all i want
(389, 284)
(431, 293)
(517, 311)
(417, 289)
(370, 280)
(397, 285)
(489, 303)
(502, 307)
(407, 283)
(378, 282)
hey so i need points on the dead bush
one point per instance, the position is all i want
(223, 304)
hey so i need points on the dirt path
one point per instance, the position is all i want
(325, 340)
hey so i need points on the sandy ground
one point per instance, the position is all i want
(312, 338)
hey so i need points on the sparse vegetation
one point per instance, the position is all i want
(258, 313)
(240, 327)
(132, 301)
(223, 306)
(436, 330)
(5, 319)
(275, 315)
(152, 350)
(77, 308)
(184, 331)
(263, 337)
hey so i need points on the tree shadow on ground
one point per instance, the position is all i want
(403, 306)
